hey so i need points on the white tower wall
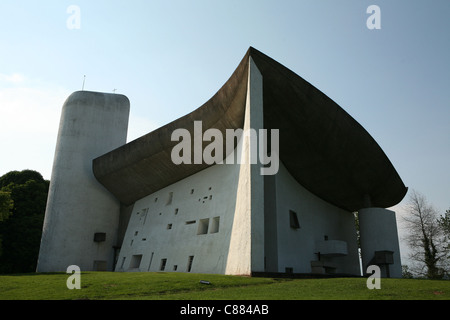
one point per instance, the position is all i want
(78, 207)
(378, 230)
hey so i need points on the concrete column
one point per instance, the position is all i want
(379, 236)
(78, 206)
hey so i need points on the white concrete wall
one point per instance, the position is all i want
(251, 236)
(296, 247)
(208, 194)
(232, 192)
(78, 206)
(378, 230)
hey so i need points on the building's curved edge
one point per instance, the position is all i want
(144, 165)
(343, 166)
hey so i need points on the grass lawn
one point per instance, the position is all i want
(187, 286)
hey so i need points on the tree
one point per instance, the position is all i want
(6, 205)
(20, 234)
(425, 238)
(444, 223)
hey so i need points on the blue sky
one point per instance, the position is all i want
(169, 57)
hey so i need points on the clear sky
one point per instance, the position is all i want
(169, 57)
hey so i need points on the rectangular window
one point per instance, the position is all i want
(190, 222)
(189, 266)
(135, 261)
(169, 199)
(99, 237)
(150, 263)
(169, 226)
(293, 220)
(215, 225)
(162, 266)
(203, 226)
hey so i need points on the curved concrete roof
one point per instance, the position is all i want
(322, 146)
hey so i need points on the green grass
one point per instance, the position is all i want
(186, 286)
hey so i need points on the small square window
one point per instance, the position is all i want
(169, 226)
(203, 226)
(135, 261)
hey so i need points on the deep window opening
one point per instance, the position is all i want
(293, 220)
(162, 266)
(169, 199)
(189, 266)
(135, 261)
(215, 225)
(203, 226)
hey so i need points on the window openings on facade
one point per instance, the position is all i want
(293, 220)
(135, 261)
(99, 237)
(215, 225)
(203, 226)
(169, 199)
(189, 265)
(143, 216)
(162, 266)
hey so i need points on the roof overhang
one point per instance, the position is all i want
(321, 145)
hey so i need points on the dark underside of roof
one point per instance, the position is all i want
(321, 145)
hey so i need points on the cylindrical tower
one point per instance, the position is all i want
(81, 218)
(379, 241)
